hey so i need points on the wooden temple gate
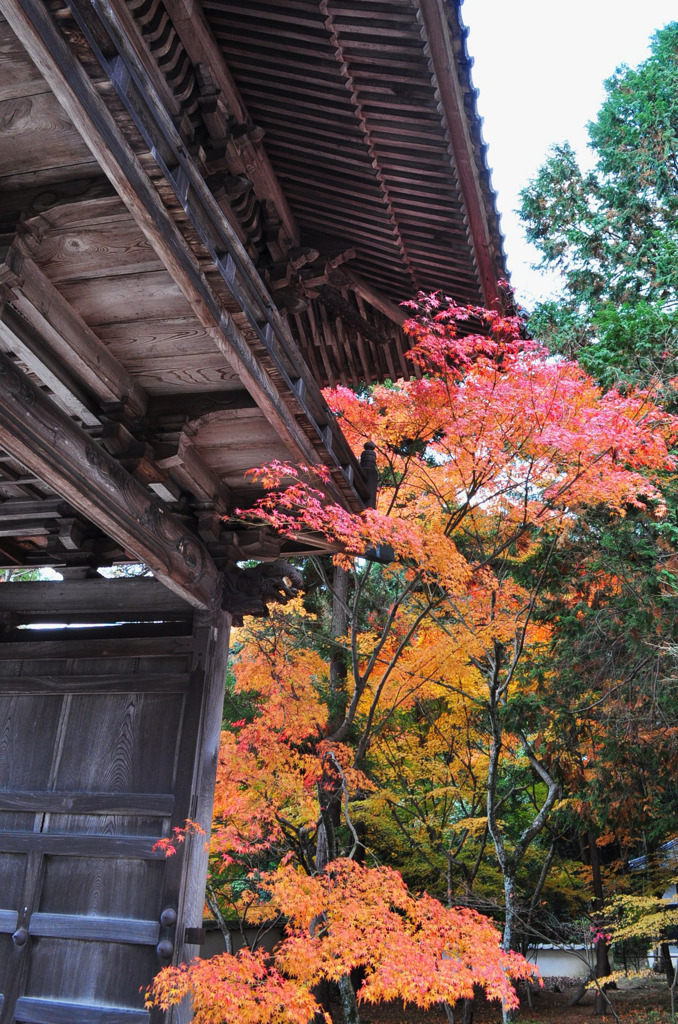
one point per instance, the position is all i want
(208, 212)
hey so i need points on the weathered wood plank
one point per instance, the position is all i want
(95, 846)
(167, 338)
(47, 442)
(95, 929)
(136, 296)
(40, 128)
(165, 375)
(98, 683)
(47, 1011)
(122, 599)
(152, 805)
(18, 76)
(105, 647)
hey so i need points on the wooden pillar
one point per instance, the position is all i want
(201, 753)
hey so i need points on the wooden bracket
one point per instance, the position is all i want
(250, 591)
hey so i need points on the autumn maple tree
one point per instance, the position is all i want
(341, 919)
(488, 459)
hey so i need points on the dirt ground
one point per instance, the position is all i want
(643, 1001)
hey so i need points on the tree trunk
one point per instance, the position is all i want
(510, 911)
(666, 963)
(338, 661)
(349, 1003)
(463, 1010)
(602, 970)
(329, 796)
(508, 937)
(602, 953)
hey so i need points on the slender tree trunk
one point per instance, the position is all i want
(510, 920)
(463, 1010)
(510, 910)
(213, 904)
(338, 660)
(329, 795)
(666, 963)
(672, 988)
(602, 954)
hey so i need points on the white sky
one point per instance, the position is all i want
(540, 67)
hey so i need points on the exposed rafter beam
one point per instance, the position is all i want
(374, 297)
(50, 444)
(196, 36)
(199, 43)
(443, 63)
(17, 337)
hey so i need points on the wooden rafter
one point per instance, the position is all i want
(436, 28)
(199, 43)
(196, 36)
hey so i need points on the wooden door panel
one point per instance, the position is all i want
(91, 972)
(134, 736)
(27, 737)
(5, 951)
(108, 740)
(105, 825)
(102, 887)
(15, 821)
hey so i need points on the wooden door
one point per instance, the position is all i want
(108, 739)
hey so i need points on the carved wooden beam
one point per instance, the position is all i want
(85, 193)
(170, 413)
(250, 591)
(50, 444)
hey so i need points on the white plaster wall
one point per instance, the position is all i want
(560, 963)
